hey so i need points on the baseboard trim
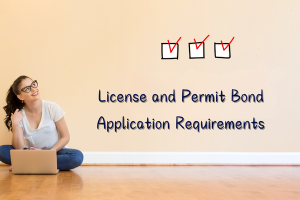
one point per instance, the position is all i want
(189, 158)
(183, 164)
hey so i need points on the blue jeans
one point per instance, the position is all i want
(66, 158)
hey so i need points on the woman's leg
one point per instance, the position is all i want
(69, 159)
(5, 153)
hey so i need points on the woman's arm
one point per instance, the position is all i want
(17, 137)
(64, 134)
(17, 131)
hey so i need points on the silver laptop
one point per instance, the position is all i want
(33, 161)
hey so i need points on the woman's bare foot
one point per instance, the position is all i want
(10, 168)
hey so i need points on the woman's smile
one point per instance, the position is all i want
(35, 94)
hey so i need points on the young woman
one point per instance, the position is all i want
(41, 123)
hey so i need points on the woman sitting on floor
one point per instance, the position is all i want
(41, 123)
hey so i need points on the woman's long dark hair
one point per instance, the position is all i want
(12, 101)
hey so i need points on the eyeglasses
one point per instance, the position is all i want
(27, 89)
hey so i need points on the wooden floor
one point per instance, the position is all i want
(156, 182)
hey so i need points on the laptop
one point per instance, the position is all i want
(33, 161)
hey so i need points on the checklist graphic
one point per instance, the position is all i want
(170, 50)
(196, 49)
(166, 53)
(220, 52)
(196, 53)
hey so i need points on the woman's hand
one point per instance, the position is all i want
(33, 148)
(16, 117)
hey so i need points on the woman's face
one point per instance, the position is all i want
(30, 93)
